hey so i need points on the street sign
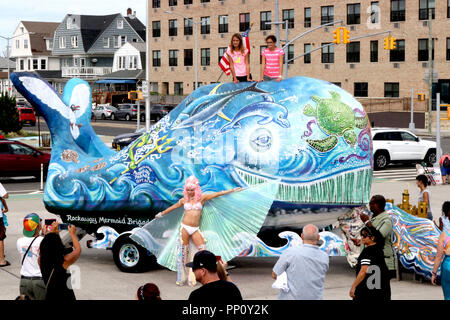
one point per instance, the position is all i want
(427, 76)
(145, 92)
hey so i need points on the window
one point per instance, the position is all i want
(188, 24)
(391, 89)
(49, 43)
(178, 88)
(82, 62)
(327, 53)
(223, 24)
(187, 1)
(156, 29)
(289, 16)
(204, 1)
(222, 51)
(407, 136)
(172, 3)
(375, 12)
(374, 51)
(25, 44)
(307, 57)
(17, 44)
(398, 10)
(244, 21)
(448, 8)
(173, 58)
(106, 42)
(327, 14)
(399, 53)
(261, 49)
(423, 50)
(205, 56)
(205, 25)
(173, 27)
(62, 42)
(188, 57)
(29, 64)
(35, 64)
(75, 62)
(266, 16)
(361, 89)
(290, 54)
(353, 51)
(448, 49)
(43, 64)
(307, 23)
(337, 84)
(156, 4)
(156, 58)
(74, 41)
(119, 24)
(354, 13)
(424, 6)
(22, 64)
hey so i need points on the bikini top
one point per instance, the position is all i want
(195, 206)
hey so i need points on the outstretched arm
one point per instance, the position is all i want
(439, 256)
(210, 196)
(177, 205)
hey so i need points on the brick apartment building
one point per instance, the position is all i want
(362, 67)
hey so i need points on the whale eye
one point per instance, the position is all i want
(261, 140)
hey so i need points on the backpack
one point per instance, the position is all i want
(446, 162)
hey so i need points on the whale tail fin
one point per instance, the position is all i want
(68, 118)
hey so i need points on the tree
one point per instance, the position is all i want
(9, 117)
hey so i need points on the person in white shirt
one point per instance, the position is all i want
(3, 210)
(31, 283)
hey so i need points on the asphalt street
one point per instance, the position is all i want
(97, 278)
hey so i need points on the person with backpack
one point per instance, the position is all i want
(445, 168)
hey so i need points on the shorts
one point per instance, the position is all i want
(243, 78)
(2, 230)
(445, 171)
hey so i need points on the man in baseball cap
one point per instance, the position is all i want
(31, 283)
(213, 289)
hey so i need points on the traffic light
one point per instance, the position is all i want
(337, 36)
(386, 43)
(346, 35)
(421, 97)
(392, 44)
(132, 95)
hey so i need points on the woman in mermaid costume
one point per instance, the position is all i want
(226, 221)
(443, 253)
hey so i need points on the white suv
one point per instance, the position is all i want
(397, 145)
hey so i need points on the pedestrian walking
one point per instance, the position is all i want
(3, 224)
(272, 61)
(424, 196)
(444, 162)
(444, 220)
(383, 223)
(31, 282)
(372, 274)
(213, 288)
(443, 260)
(305, 267)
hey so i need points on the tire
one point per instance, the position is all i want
(430, 158)
(103, 116)
(381, 160)
(130, 257)
(128, 117)
(113, 116)
(33, 124)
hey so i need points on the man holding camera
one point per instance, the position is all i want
(31, 283)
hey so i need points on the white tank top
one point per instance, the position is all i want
(429, 200)
(445, 224)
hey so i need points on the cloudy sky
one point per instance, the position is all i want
(14, 11)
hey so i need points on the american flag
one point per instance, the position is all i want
(224, 64)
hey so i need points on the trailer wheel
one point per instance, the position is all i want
(131, 257)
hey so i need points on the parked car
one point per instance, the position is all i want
(398, 145)
(104, 111)
(158, 111)
(20, 159)
(122, 140)
(26, 116)
(127, 111)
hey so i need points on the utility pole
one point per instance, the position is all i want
(430, 69)
(146, 88)
(277, 26)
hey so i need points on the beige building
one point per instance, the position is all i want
(363, 67)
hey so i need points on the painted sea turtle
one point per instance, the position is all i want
(336, 119)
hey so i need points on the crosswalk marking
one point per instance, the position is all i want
(395, 174)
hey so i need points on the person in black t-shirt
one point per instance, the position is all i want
(213, 289)
(372, 274)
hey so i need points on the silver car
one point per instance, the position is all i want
(104, 111)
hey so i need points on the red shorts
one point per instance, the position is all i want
(2, 230)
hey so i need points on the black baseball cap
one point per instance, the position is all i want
(203, 259)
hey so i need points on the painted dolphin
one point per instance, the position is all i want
(267, 109)
(91, 185)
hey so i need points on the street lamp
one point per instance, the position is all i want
(195, 23)
(7, 56)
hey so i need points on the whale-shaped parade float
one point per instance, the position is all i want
(309, 135)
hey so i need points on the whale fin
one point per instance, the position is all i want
(77, 96)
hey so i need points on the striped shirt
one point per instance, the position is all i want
(272, 62)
